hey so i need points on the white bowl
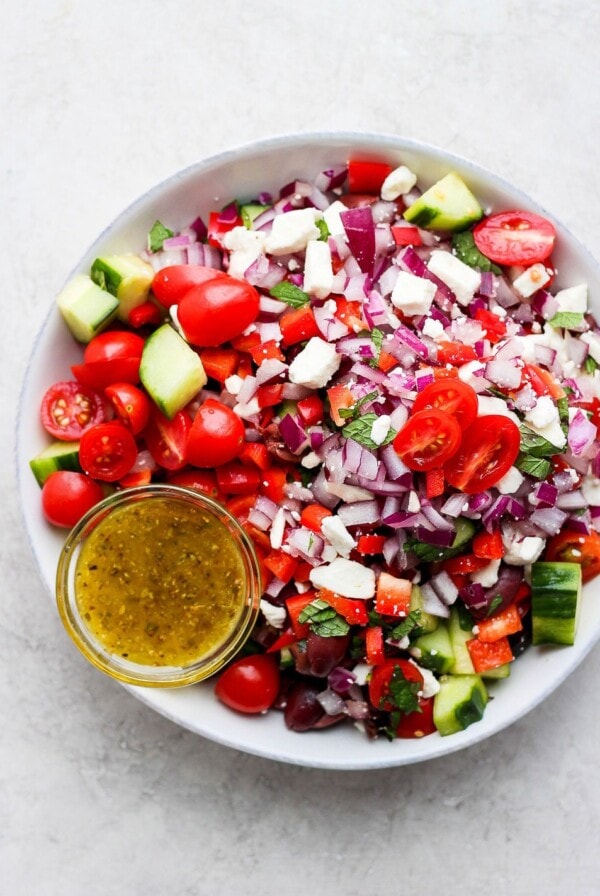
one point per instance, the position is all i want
(241, 173)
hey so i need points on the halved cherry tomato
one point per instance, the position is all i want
(107, 451)
(515, 237)
(166, 439)
(110, 357)
(452, 396)
(427, 439)
(574, 547)
(217, 310)
(488, 448)
(67, 495)
(132, 406)
(250, 684)
(235, 479)
(146, 314)
(201, 480)
(113, 344)
(171, 283)
(216, 436)
(366, 176)
(69, 408)
(418, 723)
(381, 676)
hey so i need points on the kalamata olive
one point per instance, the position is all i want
(303, 710)
(324, 654)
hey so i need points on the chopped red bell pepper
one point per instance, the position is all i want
(488, 545)
(145, 314)
(486, 655)
(255, 453)
(407, 236)
(312, 517)
(235, 479)
(349, 313)
(340, 398)
(455, 353)
(386, 362)
(310, 410)
(392, 597)
(367, 177)
(282, 565)
(266, 351)
(285, 639)
(298, 325)
(501, 624)
(272, 482)
(220, 223)
(294, 606)
(219, 363)
(269, 394)
(354, 611)
(374, 645)
(370, 544)
(463, 565)
(246, 341)
(494, 328)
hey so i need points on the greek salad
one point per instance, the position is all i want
(382, 382)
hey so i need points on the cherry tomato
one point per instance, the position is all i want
(381, 676)
(574, 547)
(201, 480)
(217, 310)
(418, 723)
(171, 283)
(427, 439)
(107, 451)
(235, 479)
(69, 408)
(489, 447)
(216, 436)
(113, 344)
(166, 439)
(132, 406)
(67, 495)
(110, 357)
(452, 396)
(250, 684)
(515, 237)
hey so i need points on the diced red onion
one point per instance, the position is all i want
(359, 514)
(340, 680)
(582, 433)
(432, 603)
(360, 230)
(293, 434)
(549, 519)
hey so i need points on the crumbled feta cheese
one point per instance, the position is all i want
(331, 216)
(412, 295)
(510, 482)
(310, 461)
(398, 182)
(523, 552)
(487, 576)
(318, 272)
(467, 372)
(277, 529)
(544, 420)
(430, 685)
(380, 429)
(291, 231)
(275, 616)
(361, 673)
(249, 409)
(590, 488)
(434, 329)
(345, 577)
(349, 494)
(531, 280)
(458, 276)
(233, 384)
(574, 299)
(315, 364)
(490, 404)
(244, 246)
(333, 529)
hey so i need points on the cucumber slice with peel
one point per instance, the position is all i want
(57, 456)
(171, 371)
(460, 702)
(86, 308)
(555, 602)
(128, 277)
(447, 205)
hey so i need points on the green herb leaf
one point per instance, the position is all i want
(323, 229)
(538, 467)
(496, 601)
(570, 320)
(377, 337)
(403, 693)
(158, 234)
(352, 412)
(466, 250)
(323, 619)
(360, 431)
(406, 626)
(290, 294)
(590, 365)
(538, 446)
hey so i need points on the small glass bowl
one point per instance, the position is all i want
(124, 503)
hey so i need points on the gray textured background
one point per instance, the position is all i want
(98, 794)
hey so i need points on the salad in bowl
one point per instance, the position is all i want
(384, 364)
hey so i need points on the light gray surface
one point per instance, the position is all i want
(98, 794)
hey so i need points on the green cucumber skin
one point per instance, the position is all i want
(459, 635)
(170, 371)
(435, 649)
(58, 456)
(427, 622)
(105, 276)
(460, 702)
(555, 602)
(447, 205)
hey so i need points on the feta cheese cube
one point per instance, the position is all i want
(458, 276)
(315, 364)
(510, 482)
(544, 420)
(524, 551)
(318, 271)
(275, 616)
(345, 577)
(573, 299)
(434, 329)
(487, 576)
(334, 531)
(398, 182)
(380, 429)
(532, 279)
(291, 231)
(489, 404)
(331, 216)
(413, 295)
(244, 246)
(593, 343)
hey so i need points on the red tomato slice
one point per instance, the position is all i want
(67, 495)
(166, 439)
(216, 436)
(171, 283)
(107, 451)
(381, 676)
(515, 237)
(101, 374)
(489, 447)
(69, 408)
(574, 547)
(250, 684)
(218, 310)
(452, 396)
(132, 406)
(427, 439)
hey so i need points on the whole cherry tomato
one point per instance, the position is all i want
(216, 436)
(107, 451)
(67, 495)
(217, 310)
(250, 684)
(170, 284)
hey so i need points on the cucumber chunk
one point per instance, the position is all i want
(434, 650)
(460, 630)
(460, 702)
(427, 621)
(447, 205)
(251, 211)
(170, 370)
(555, 602)
(127, 277)
(57, 456)
(86, 308)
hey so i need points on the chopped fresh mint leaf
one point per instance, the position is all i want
(590, 365)
(496, 601)
(290, 294)
(352, 413)
(537, 446)
(402, 692)
(466, 250)
(158, 234)
(377, 338)
(570, 320)
(538, 467)
(360, 431)
(323, 619)
(323, 229)
(406, 626)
